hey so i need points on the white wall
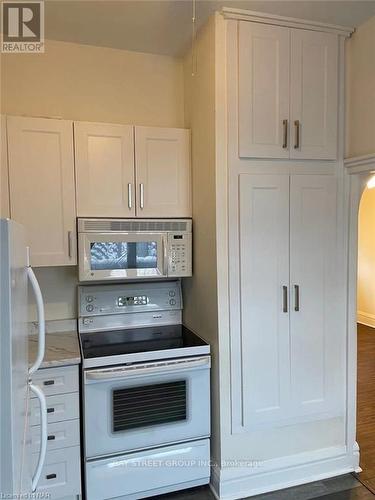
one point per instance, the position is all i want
(82, 82)
(366, 259)
(360, 83)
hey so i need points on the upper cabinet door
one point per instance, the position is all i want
(104, 156)
(41, 171)
(4, 182)
(162, 158)
(314, 100)
(263, 101)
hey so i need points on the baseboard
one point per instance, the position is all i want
(233, 484)
(366, 319)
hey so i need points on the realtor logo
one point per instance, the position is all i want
(22, 27)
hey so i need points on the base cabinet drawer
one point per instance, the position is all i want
(59, 380)
(59, 407)
(60, 435)
(134, 475)
(61, 474)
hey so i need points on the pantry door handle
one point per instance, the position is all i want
(285, 299)
(297, 126)
(70, 244)
(130, 204)
(285, 134)
(296, 298)
(141, 195)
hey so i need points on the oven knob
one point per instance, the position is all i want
(89, 298)
(89, 308)
(172, 293)
(172, 302)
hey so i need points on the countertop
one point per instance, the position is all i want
(62, 349)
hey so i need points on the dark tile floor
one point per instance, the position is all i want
(339, 488)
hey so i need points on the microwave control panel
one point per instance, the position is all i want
(180, 254)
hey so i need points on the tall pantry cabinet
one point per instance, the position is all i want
(267, 124)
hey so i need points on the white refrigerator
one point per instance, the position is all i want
(18, 479)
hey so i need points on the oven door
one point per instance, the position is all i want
(134, 407)
(112, 256)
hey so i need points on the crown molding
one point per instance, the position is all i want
(358, 164)
(290, 22)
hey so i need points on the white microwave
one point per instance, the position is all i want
(121, 249)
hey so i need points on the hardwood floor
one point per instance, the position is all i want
(366, 404)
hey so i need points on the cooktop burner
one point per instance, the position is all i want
(139, 340)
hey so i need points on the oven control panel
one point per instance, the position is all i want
(128, 298)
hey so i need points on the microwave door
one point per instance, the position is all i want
(109, 256)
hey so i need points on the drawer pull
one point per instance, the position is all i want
(50, 410)
(51, 437)
(51, 476)
(49, 382)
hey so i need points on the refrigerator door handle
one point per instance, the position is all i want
(41, 320)
(44, 434)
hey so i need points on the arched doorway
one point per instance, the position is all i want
(360, 170)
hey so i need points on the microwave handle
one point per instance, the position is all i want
(165, 256)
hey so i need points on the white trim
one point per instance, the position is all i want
(284, 472)
(366, 319)
(291, 22)
(359, 164)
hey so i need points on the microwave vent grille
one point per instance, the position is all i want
(107, 225)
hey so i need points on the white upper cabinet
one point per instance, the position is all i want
(263, 110)
(287, 92)
(4, 182)
(313, 104)
(42, 195)
(104, 156)
(118, 176)
(162, 159)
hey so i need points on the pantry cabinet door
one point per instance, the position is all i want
(4, 182)
(316, 340)
(42, 195)
(314, 99)
(263, 100)
(259, 301)
(162, 159)
(104, 156)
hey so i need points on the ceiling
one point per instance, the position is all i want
(164, 26)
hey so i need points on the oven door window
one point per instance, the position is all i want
(148, 405)
(110, 255)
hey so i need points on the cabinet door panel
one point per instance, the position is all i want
(315, 337)
(42, 194)
(260, 349)
(162, 157)
(264, 59)
(314, 94)
(104, 157)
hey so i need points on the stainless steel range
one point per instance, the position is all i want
(146, 397)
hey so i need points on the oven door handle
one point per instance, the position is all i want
(149, 369)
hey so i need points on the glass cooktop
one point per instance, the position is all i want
(138, 340)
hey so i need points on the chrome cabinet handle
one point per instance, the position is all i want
(285, 134)
(296, 298)
(130, 203)
(69, 244)
(141, 195)
(285, 299)
(297, 126)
